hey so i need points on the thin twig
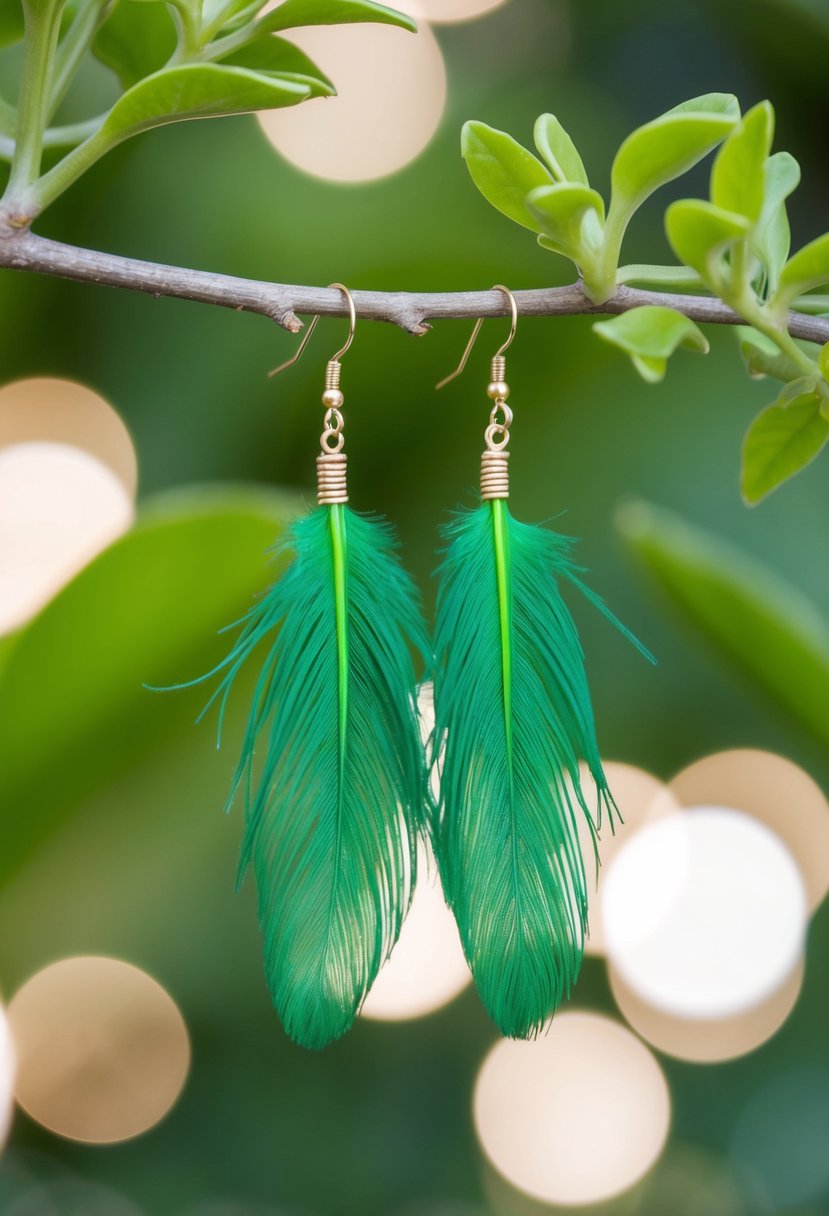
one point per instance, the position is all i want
(23, 250)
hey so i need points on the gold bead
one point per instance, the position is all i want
(332, 398)
(496, 389)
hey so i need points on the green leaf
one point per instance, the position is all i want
(763, 357)
(198, 90)
(771, 237)
(668, 146)
(11, 22)
(738, 176)
(504, 172)
(781, 441)
(650, 335)
(74, 712)
(709, 103)
(558, 151)
(294, 13)
(135, 41)
(271, 54)
(765, 626)
(807, 269)
(802, 386)
(571, 216)
(699, 234)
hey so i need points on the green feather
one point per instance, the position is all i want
(332, 814)
(513, 719)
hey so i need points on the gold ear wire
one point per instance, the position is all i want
(499, 354)
(297, 355)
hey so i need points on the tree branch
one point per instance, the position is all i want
(23, 250)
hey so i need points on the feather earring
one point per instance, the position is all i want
(333, 809)
(513, 719)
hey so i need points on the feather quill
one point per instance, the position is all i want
(332, 811)
(513, 719)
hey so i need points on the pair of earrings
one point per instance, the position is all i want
(341, 791)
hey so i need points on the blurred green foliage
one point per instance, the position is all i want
(766, 626)
(736, 247)
(137, 860)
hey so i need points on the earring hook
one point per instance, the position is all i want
(352, 319)
(477, 329)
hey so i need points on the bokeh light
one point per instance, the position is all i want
(708, 1040)
(7, 1070)
(391, 91)
(575, 1117)
(102, 1050)
(704, 913)
(641, 799)
(46, 409)
(59, 507)
(426, 719)
(446, 12)
(773, 790)
(427, 968)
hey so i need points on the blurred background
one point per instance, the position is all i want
(159, 1083)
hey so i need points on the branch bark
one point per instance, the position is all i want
(23, 250)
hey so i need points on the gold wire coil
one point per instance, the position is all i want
(498, 367)
(494, 474)
(332, 374)
(331, 478)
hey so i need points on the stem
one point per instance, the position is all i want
(776, 330)
(232, 42)
(225, 14)
(69, 169)
(73, 47)
(42, 30)
(742, 295)
(58, 137)
(72, 134)
(739, 294)
(188, 30)
(23, 250)
(601, 288)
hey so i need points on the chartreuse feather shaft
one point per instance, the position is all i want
(513, 719)
(333, 805)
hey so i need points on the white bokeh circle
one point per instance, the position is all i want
(448, 12)
(575, 1117)
(774, 790)
(641, 798)
(704, 913)
(7, 1073)
(59, 507)
(391, 92)
(427, 968)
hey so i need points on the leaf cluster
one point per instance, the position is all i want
(734, 245)
(173, 60)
